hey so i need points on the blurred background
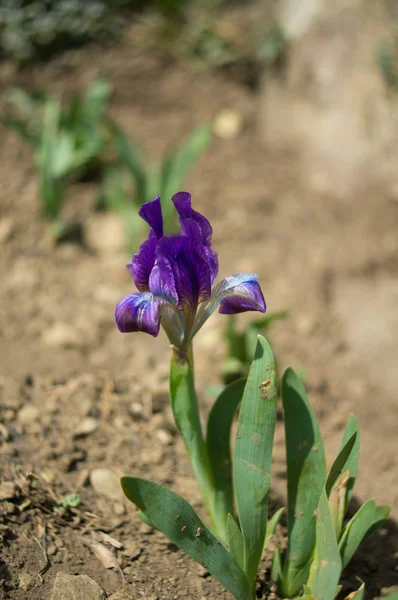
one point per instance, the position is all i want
(280, 117)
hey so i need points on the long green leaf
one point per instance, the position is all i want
(184, 404)
(327, 566)
(253, 454)
(353, 459)
(358, 595)
(276, 567)
(271, 525)
(356, 530)
(306, 474)
(131, 156)
(235, 540)
(219, 446)
(339, 465)
(174, 517)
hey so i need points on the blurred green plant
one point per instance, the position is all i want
(133, 181)
(387, 60)
(68, 141)
(241, 344)
(69, 501)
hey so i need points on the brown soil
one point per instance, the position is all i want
(331, 262)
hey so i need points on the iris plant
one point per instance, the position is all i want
(175, 275)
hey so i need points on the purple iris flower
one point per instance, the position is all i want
(174, 275)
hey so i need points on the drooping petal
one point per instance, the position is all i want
(241, 293)
(138, 312)
(151, 212)
(182, 272)
(235, 294)
(142, 262)
(182, 202)
(141, 265)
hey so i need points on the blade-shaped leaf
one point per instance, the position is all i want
(253, 453)
(306, 474)
(235, 540)
(185, 407)
(352, 461)
(339, 465)
(356, 530)
(271, 525)
(174, 517)
(358, 595)
(219, 446)
(327, 566)
(276, 568)
(131, 156)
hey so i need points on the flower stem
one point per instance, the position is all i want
(184, 404)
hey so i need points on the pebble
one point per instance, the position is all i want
(202, 572)
(86, 427)
(228, 124)
(107, 483)
(7, 490)
(164, 437)
(61, 335)
(132, 549)
(136, 410)
(28, 414)
(71, 587)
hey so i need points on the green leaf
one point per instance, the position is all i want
(276, 568)
(174, 517)
(271, 525)
(327, 566)
(362, 525)
(184, 404)
(306, 474)
(339, 465)
(253, 454)
(358, 595)
(131, 156)
(265, 321)
(353, 459)
(235, 540)
(219, 446)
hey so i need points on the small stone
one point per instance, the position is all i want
(7, 508)
(28, 414)
(7, 490)
(136, 410)
(61, 335)
(107, 483)
(26, 581)
(119, 509)
(86, 427)
(145, 529)
(132, 550)
(228, 124)
(202, 572)
(76, 587)
(164, 437)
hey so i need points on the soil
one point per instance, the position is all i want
(77, 396)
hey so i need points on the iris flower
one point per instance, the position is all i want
(175, 274)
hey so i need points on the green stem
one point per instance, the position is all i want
(184, 404)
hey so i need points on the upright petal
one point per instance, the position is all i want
(235, 294)
(182, 202)
(138, 312)
(151, 212)
(182, 269)
(143, 261)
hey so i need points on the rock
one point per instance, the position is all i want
(132, 550)
(76, 587)
(164, 437)
(228, 124)
(87, 426)
(107, 483)
(28, 414)
(136, 410)
(26, 581)
(7, 490)
(61, 335)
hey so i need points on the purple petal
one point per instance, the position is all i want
(138, 312)
(151, 212)
(143, 261)
(182, 202)
(244, 293)
(182, 273)
(235, 294)
(141, 265)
